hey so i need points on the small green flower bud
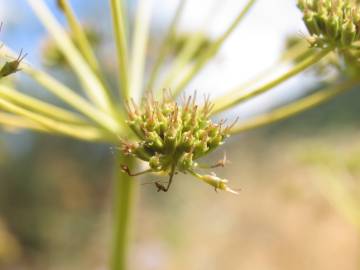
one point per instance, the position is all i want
(311, 23)
(155, 163)
(216, 182)
(11, 67)
(153, 139)
(332, 27)
(135, 149)
(186, 161)
(348, 33)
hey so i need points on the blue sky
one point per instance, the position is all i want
(22, 30)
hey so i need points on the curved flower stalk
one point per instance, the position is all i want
(169, 136)
(334, 27)
(53, 57)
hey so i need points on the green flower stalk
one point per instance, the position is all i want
(171, 137)
(53, 57)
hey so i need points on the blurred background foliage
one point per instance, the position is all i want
(298, 208)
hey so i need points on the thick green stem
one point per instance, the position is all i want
(124, 198)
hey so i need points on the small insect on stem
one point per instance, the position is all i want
(161, 187)
(11, 67)
(60, 4)
(126, 170)
(220, 163)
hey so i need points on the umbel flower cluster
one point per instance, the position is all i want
(332, 23)
(170, 138)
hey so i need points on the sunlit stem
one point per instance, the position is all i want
(223, 103)
(166, 45)
(67, 95)
(192, 45)
(124, 200)
(83, 132)
(296, 107)
(293, 54)
(73, 99)
(80, 104)
(39, 106)
(182, 59)
(18, 122)
(138, 54)
(92, 85)
(80, 36)
(211, 51)
(86, 50)
(197, 175)
(119, 28)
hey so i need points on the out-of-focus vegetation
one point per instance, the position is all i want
(38, 214)
(53, 57)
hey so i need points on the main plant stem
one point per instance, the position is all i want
(124, 199)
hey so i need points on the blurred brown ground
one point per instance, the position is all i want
(281, 220)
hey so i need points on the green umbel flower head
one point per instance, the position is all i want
(170, 137)
(332, 23)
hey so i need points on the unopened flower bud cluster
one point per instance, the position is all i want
(171, 137)
(334, 23)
